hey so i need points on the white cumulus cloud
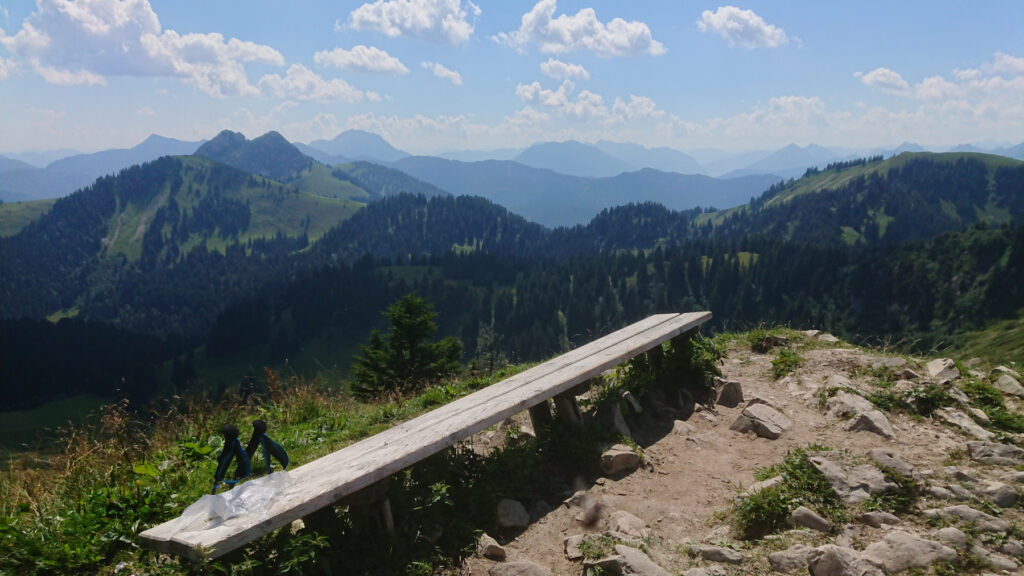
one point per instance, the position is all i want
(364, 58)
(301, 83)
(884, 79)
(1006, 64)
(83, 42)
(581, 31)
(443, 73)
(563, 70)
(7, 67)
(742, 27)
(443, 21)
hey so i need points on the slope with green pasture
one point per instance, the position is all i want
(16, 215)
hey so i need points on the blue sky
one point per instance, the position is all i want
(432, 76)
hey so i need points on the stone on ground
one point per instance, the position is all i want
(997, 561)
(1009, 385)
(489, 548)
(832, 560)
(888, 459)
(626, 523)
(900, 550)
(953, 537)
(874, 422)
(804, 517)
(764, 420)
(998, 493)
(844, 404)
(995, 453)
(619, 459)
(942, 369)
(982, 522)
(877, 518)
(730, 392)
(512, 514)
(964, 422)
(791, 560)
(718, 554)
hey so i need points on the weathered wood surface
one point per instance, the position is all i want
(326, 480)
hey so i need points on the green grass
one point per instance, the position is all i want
(767, 511)
(318, 181)
(23, 427)
(1001, 342)
(16, 215)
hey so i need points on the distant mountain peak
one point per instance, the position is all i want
(270, 155)
(360, 145)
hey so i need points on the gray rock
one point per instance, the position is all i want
(964, 422)
(1002, 495)
(956, 393)
(953, 537)
(804, 517)
(995, 453)
(1009, 385)
(982, 521)
(940, 492)
(886, 458)
(682, 427)
(832, 560)
(636, 562)
(512, 514)
(572, 546)
(626, 523)
(730, 392)
(827, 338)
(833, 472)
(1012, 548)
(960, 493)
(997, 561)
(978, 414)
(909, 374)
(844, 404)
(764, 420)
(791, 559)
(874, 422)
(719, 554)
(876, 519)
(901, 550)
(812, 333)
(489, 548)
(518, 568)
(765, 401)
(1017, 477)
(619, 459)
(942, 369)
(763, 484)
(1003, 371)
(838, 381)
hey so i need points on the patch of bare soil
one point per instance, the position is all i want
(695, 469)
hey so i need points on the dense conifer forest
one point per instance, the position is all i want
(913, 253)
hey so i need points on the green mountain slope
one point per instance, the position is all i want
(911, 197)
(16, 215)
(149, 217)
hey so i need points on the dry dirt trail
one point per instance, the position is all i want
(695, 468)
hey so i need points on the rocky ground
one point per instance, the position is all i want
(674, 513)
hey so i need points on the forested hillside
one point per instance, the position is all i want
(911, 251)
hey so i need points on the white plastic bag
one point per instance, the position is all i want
(213, 509)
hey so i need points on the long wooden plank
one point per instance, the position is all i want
(374, 444)
(164, 532)
(326, 480)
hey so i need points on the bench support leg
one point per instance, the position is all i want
(568, 410)
(372, 504)
(540, 417)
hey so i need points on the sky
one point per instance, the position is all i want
(443, 75)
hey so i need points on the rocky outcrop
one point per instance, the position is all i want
(763, 420)
(900, 550)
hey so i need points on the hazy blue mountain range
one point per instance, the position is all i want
(660, 158)
(574, 159)
(554, 199)
(42, 158)
(357, 145)
(66, 175)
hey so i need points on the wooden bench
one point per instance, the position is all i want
(329, 479)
